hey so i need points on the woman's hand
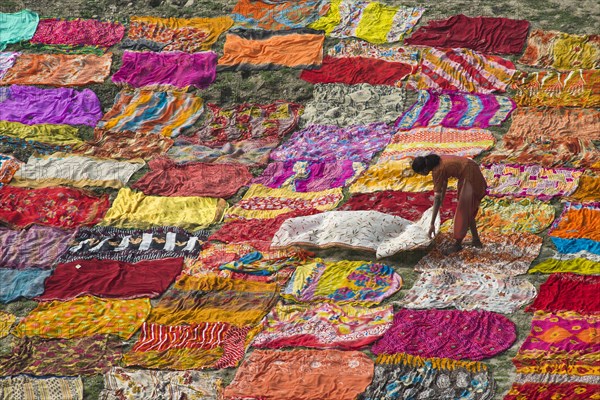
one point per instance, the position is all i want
(431, 232)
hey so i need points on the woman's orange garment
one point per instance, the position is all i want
(471, 189)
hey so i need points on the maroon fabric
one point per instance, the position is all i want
(166, 178)
(485, 34)
(353, 70)
(407, 205)
(569, 292)
(255, 232)
(111, 278)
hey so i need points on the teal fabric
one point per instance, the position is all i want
(17, 283)
(17, 26)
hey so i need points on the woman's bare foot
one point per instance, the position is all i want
(456, 247)
(474, 243)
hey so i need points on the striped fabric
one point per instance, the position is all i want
(167, 113)
(462, 70)
(162, 337)
(440, 140)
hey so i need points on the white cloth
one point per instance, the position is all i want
(368, 230)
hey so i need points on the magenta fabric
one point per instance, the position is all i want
(34, 247)
(484, 34)
(174, 68)
(472, 335)
(31, 105)
(312, 177)
(78, 32)
(111, 278)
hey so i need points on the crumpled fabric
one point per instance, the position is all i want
(125, 145)
(580, 264)
(253, 153)
(166, 178)
(17, 27)
(167, 70)
(23, 387)
(363, 230)
(7, 60)
(470, 335)
(41, 138)
(31, 105)
(34, 247)
(78, 32)
(17, 283)
(561, 51)
(484, 34)
(277, 15)
(360, 48)
(568, 292)
(541, 391)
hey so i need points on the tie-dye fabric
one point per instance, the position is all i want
(530, 180)
(323, 326)
(561, 343)
(332, 143)
(456, 110)
(174, 34)
(470, 335)
(167, 113)
(125, 145)
(484, 34)
(135, 210)
(34, 247)
(461, 70)
(17, 27)
(576, 228)
(438, 140)
(89, 355)
(140, 384)
(58, 69)
(8, 167)
(469, 291)
(577, 88)
(562, 51)
(78, 32)
(220, 126)
(84, 316)
(196, 346)
(360, 48)
(166, 70)
(258, 50)
(305, 176)
(278, 14)
(73, 170)
(342, 282)
(405, 376)
(262, 202)
(346, 105)
(31, 105)
(17, 283)
(24, 387)
(372, 21)
(193, 300)
(7, 60)
(55, 206)
(506, 254)
(301, 374)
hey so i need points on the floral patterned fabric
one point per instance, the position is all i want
(277, 15)
(261, 202)
(507, 254)
(343, 282)
(456, 110)
(360, 48)
(214, 299)
(530, 180)
(332, 143)
(345, 105)
(361, 230)
(174, 34)
(89, 355)
(405, 376)
(301, 374)
(323, 326)
(125, 145)
(56, 206)
(248, 121)
(8, 166)
(469, 291)
(577, 88)
(84, 316)
(138, 384)
(561, 343)
(6, 321)
(546, 391)
(253, 153)
(461, 70)
(25, 388)
(562, 51)
(410, 206)
(471, 335)
(372, 21)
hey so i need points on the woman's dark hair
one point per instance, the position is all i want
(420, 164)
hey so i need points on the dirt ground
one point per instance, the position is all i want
(573, 16)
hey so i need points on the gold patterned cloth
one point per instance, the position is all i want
(562, 51)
